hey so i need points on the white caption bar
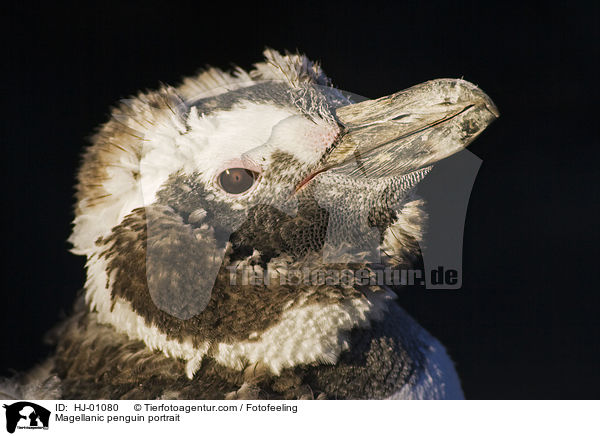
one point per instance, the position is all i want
(299, 417)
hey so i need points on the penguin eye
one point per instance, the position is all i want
(237, 180)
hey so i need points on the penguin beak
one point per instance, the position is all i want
(409, 130)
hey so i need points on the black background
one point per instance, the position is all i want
(524, 325)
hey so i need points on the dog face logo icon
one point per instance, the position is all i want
(26, 415)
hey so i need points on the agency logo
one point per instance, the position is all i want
(26, 415)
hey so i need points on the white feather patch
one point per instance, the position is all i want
(437, 380)
(308, 334)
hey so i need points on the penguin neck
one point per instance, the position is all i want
(314, 326)
(307, 332)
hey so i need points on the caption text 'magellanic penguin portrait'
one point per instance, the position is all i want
(235, 228)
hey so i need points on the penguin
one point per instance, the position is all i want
(236, 230)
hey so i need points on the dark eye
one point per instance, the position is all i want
(237, 180)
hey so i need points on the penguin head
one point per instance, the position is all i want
(272, 170)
